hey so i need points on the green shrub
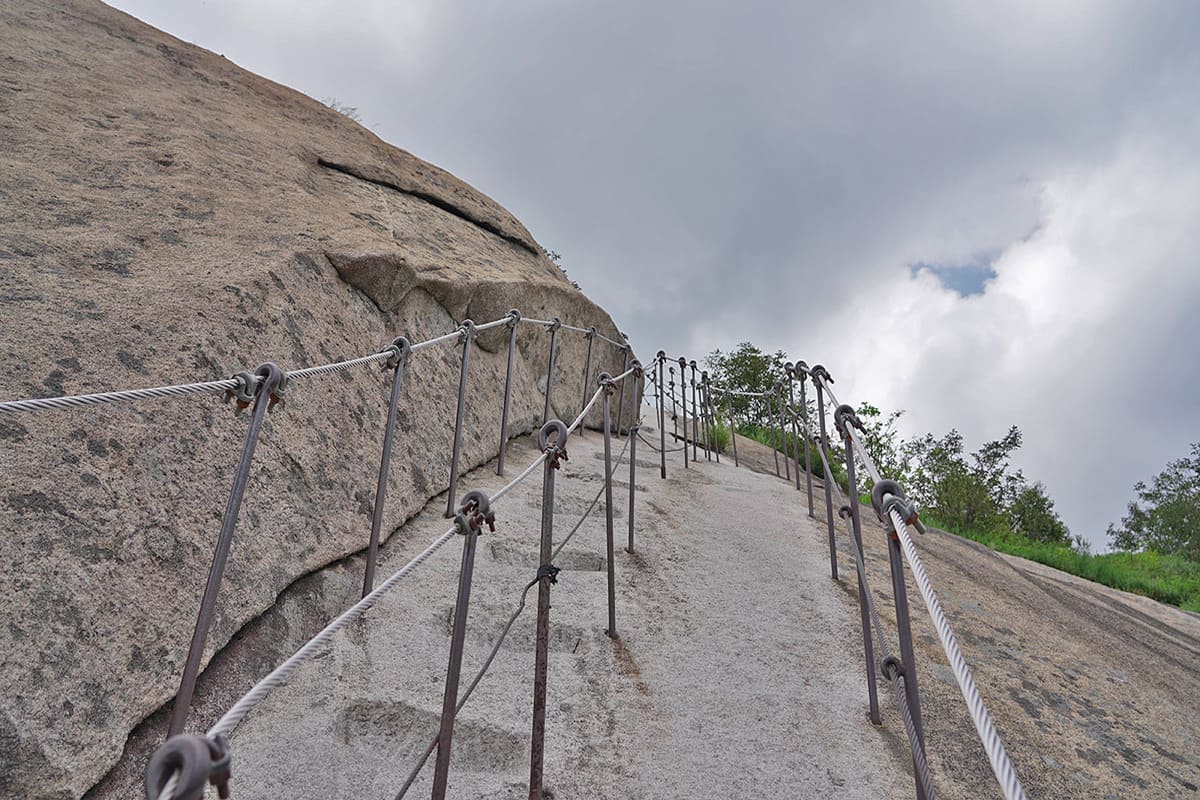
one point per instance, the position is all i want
(719, 436)
(1168, 579)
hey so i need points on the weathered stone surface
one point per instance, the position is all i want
(166, 217)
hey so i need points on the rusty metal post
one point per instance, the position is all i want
(606, 382)
(712, 418)
(268, 391)
(633, 437)
(683, 399)
(470, 518)
(771, 423)
(818, 372)
(732, 426)
(843, 418)
(400, 351)
(674, 407)
(791, 402)
(554, 326)
(695, 414)
(555, 451)
(624, 383)
(904, 631)
(512, 347)
(587, 375)
(782, 422)
(662, 418)
(802, 369)
(468, 332)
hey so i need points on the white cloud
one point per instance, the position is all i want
(1075, 340)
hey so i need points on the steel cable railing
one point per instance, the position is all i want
(270, 383)
(985, 728)
(262, 389)
(234, 384)
(277, 677)
(916, 746)
(504, 631)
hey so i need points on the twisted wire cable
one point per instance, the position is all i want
(466, 695)
(215, 387)
(340, 366)
(278, 676)
(1001, 765)
(168, 790)
(99, 398)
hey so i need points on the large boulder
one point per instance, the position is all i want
(168, 217)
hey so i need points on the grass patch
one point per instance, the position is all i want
(1167, 579)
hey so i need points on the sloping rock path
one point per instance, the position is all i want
(737, 671)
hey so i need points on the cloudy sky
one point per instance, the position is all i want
(983, 213)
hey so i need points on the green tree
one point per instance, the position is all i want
(1031, 514)
(883, 444)
(747, 369)
(1166, 515)
(962, 495)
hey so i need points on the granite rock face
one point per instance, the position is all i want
(168, 217)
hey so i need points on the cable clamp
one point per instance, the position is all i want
(638, 372)
(548, 571)
(275, 382)
(555, 450)
(514, 317)
(892, 668)
(244, 392)
(467, 329)
(606, 383)
(196, 761)
(554, 325)
(475, 512)
(843, 416)
(887, 495)
(398, 351)
(820, 373)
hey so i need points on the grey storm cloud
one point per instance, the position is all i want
(810, 177)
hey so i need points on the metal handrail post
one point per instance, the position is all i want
(712, 418)
(845, 417)
(695, 414)
(402, 349)
(606, 382)
(674, 407)
(467, 329)
(512, 347)
(787, 467)
(771, 424)
(802, 368)
(621, 398)
(683, 400)
(791, 403)
(545, 576)
(555, 324)
(817, 372)
(732, 427)
(587, 374)
(267, 393)
(662, 419)
(470, 518)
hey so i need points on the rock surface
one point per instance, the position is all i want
(736, 673)
(168, 217)
(1094, 690)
